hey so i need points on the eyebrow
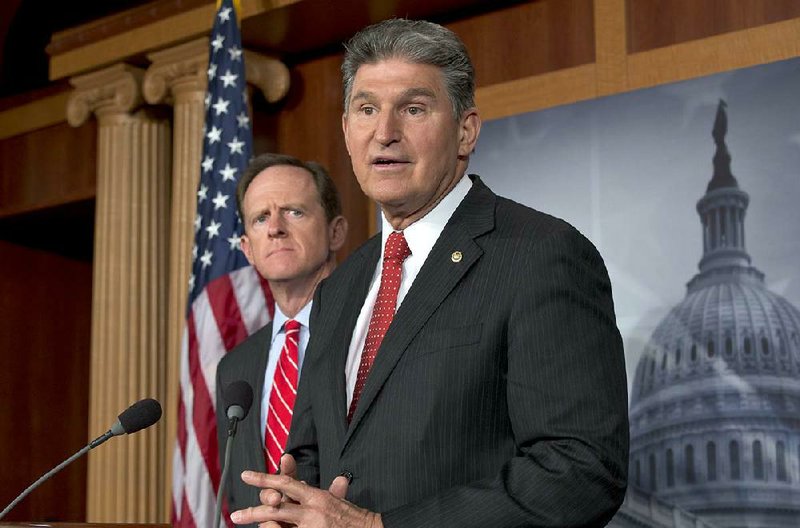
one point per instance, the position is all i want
(407, 94)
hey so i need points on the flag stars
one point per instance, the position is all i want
(235, 53)
(236, 146)
(191, 283)
(220, 201)
(206, 258)
(215, 135)
(198, 221)
(217, 43)
(221, 106)
(213, 229)
(243, 119)
(208, 164)
(235, 242)
(207, 102)
(229, 79)
(212, 71)
(194, 252)
(228, 173)
(224, 14)
(202, 193)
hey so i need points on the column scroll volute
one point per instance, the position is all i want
(106, 93)
(177, 71)
(268, 74)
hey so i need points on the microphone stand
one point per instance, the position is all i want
(94, 443)
(225, 469)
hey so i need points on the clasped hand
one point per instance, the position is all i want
(288, 502)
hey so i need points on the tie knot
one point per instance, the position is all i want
(291, 325)
(396, 247)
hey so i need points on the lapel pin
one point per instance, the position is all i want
(456, 256)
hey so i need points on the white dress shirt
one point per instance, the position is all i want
(421, 236)
(278, 338)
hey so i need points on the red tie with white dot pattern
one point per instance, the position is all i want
(394, 254)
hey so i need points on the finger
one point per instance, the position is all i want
(254, 514)
(288, 466)
(270, 497)
(286, 513)
(254, 478)
(338, 487)
(283, 484)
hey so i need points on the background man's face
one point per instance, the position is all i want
(287, 237)
(402, 137)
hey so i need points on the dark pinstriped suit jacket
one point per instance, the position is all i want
(248, 362)
(498, 397)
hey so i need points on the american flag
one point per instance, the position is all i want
(227, 299)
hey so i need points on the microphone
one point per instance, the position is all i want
(238, 397)
(138, 416)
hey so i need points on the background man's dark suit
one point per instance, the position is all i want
(247, 362)
(498, 395)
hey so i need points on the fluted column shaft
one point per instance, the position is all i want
(178, 76)
(128, 360)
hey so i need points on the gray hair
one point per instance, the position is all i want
(416, 41)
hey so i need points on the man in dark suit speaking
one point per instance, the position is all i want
(293, 225)
(465, 368)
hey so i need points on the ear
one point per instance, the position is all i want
(337, 232)
(470, 128)
(344, 132)
(247, 249)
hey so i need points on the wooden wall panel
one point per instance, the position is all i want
(46, 167)
(528, 39)
(658, 23)
(45, 321)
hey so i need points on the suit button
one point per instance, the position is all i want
(348, 475)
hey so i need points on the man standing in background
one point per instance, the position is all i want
(293, 225)
(465, 369)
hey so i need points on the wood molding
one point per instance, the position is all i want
(28, 117)
(731, 51)
(155, 35)
(537, 92)
(610, 46)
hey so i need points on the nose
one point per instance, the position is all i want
(387, 129)
(275, 226)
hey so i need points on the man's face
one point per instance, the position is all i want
(287, 237)
(406, 147)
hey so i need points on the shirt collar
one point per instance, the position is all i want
(280, 318)
(422, 234)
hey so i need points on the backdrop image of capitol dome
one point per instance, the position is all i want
(690, 191)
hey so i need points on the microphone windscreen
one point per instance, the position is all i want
(140, 415)
(239, 393)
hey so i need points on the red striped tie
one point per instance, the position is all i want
(383, 312)
(281, 399)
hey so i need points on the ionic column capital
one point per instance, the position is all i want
(176, 71)
(269, 75)
(108, 92)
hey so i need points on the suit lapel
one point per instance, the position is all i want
(441, 272)
(348, 300)
(262, 355)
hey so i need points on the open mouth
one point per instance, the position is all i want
(388, 162)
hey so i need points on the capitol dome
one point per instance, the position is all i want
(715, 401)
